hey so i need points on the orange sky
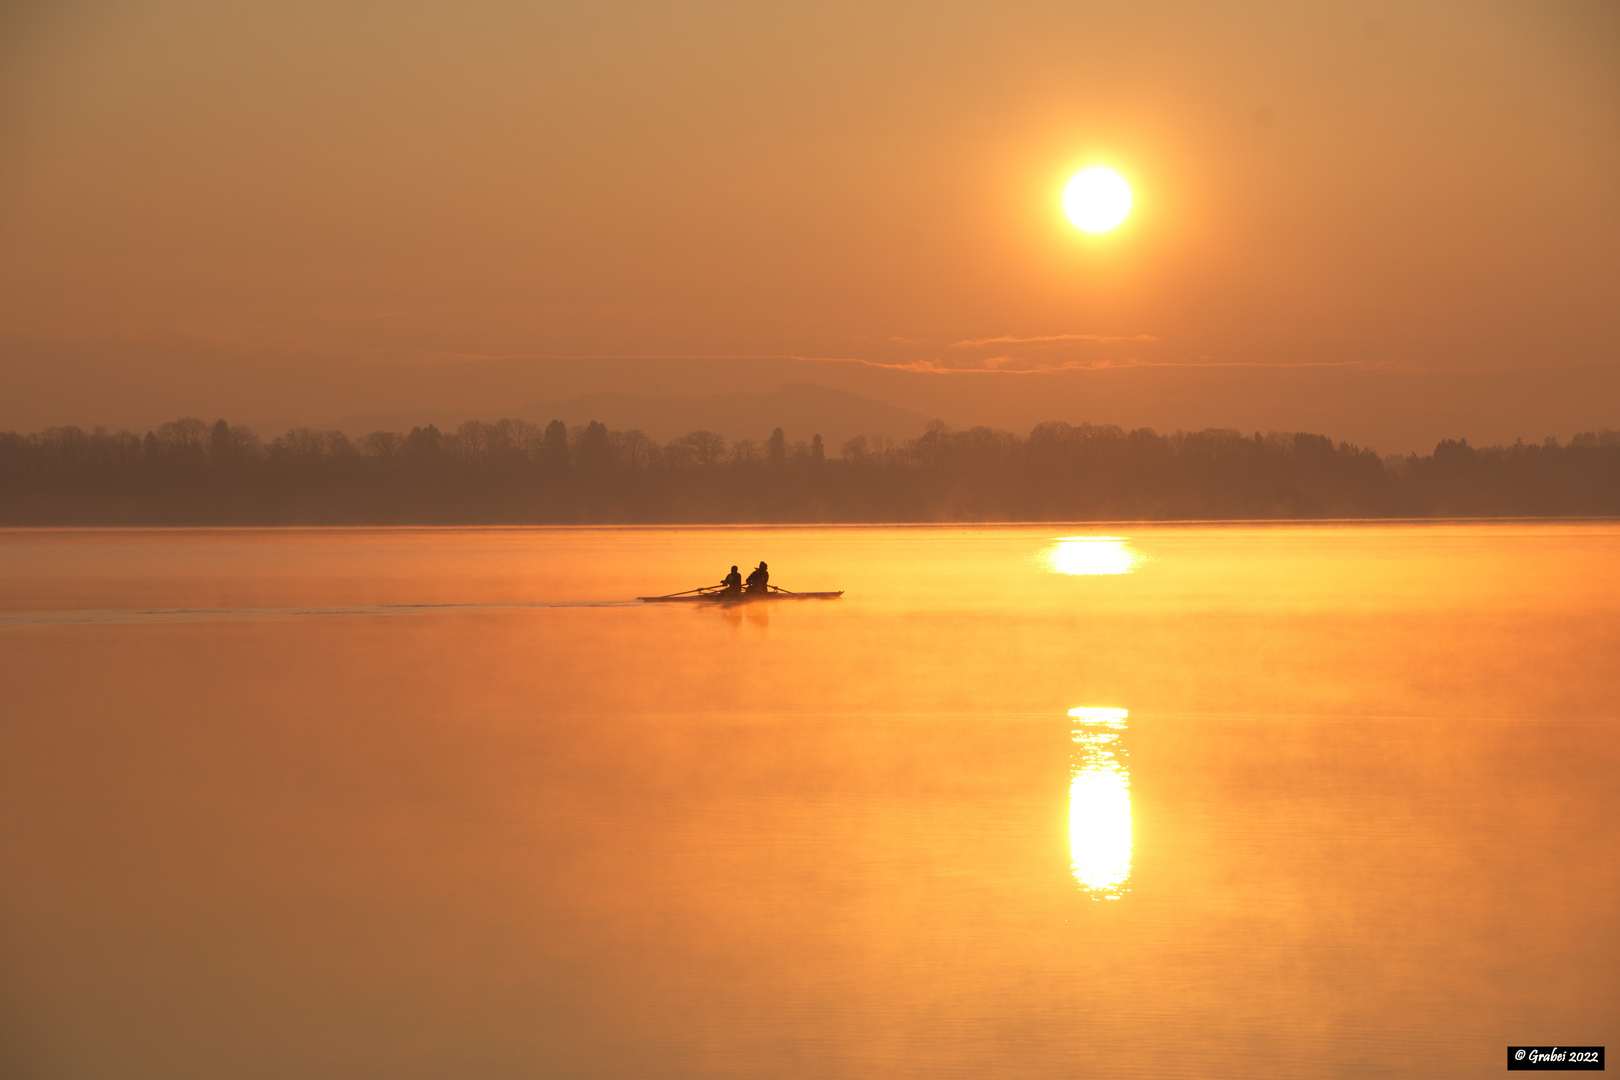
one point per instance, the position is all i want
(1386, 223)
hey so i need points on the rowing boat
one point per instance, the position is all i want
(719, 594)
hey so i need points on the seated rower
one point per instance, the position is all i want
(759, 579)
(732, 581)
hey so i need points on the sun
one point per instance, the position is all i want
(1097, 199)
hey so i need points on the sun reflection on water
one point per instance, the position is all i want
(1100, 804)
(1091, 555)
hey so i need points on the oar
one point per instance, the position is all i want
(684, 592)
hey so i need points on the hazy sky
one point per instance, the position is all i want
(1386, 222)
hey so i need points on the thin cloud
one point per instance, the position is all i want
(253, 336)
(1048, 339)
(994, 365)
(1012, 365)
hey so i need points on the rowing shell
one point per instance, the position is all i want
(721, 596)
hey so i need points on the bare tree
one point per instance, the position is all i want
(473, 443)
(634, 449)
(383, 445)
(184, 436)
(703, 448)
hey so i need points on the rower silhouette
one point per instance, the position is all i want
(733, 581)
(759, 579)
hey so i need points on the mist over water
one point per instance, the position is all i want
(1053, 801)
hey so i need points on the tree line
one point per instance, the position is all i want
(189, 472)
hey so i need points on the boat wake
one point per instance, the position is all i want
(163, 615)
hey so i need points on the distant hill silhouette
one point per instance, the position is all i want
(799, 409)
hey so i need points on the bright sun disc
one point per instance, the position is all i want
(1097, 199)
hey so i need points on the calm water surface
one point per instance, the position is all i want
(1036, 802)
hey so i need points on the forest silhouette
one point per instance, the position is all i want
(189, 472)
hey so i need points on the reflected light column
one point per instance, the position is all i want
(1088, 556)
(1100, 804)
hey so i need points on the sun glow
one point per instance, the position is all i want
(1100, 804)
(1097, 199)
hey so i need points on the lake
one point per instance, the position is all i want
(1035, 801)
